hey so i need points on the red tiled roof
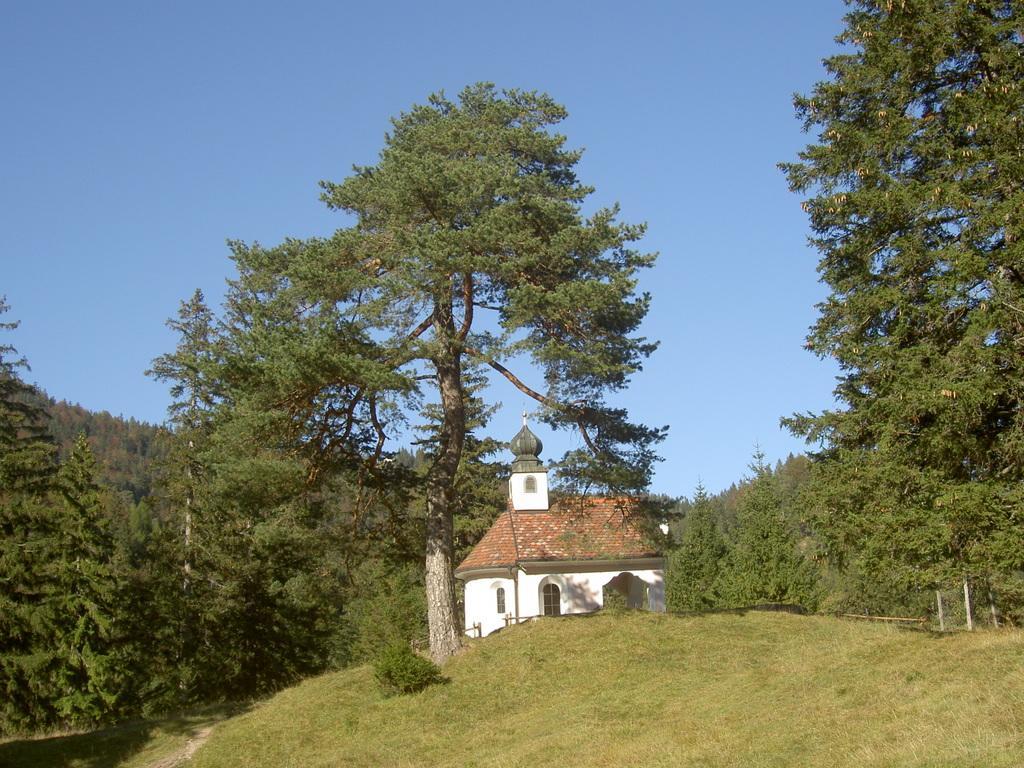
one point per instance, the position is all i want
(588, 528)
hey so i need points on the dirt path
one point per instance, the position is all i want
(183, 755)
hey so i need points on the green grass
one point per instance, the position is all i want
(654, 690)
(136, 744)
(626, 689)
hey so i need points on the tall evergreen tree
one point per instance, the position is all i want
(62, 660)
(84, 664)
(916, 199)
(26, 454)
(191, 370)
(468, 250)
(262, 531)
(26, 476)
(692, 581)
(765, 564)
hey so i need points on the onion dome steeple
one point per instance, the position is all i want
(528, 483)
(527, 447)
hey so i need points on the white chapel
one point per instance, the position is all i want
(539, 559)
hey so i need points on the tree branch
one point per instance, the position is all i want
(586, 438)
(350, 414)
(516, 381)
(420, 329)
(381, 437)
(576, 409)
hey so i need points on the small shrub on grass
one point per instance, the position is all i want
(614, 601)
(399, 669)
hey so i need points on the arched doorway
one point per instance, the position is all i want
(626, 591)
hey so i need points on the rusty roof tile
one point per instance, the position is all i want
(581, 528)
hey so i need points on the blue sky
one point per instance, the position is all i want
(138, 137)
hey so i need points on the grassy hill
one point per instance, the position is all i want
(648, 690)
(652, 690)
(159, 743)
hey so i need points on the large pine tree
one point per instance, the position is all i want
(468, 251)
(915, 193)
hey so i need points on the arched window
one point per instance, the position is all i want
(500, 594)
(552, 600)
(530, 484)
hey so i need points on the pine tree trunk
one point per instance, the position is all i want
(184, 648)
(442, 622)
(189, 497)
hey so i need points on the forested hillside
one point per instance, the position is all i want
(748, 544)
(136, 578)
(128, 452)
(791, 473)
(763, 540)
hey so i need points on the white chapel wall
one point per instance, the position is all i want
(583, 592)
(482, 604)
(579, 593)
